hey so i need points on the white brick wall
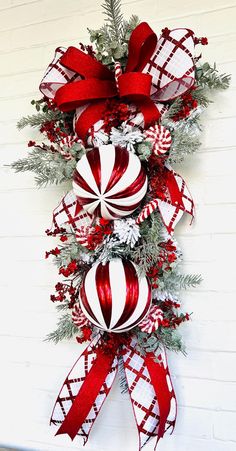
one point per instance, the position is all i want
(32, 370)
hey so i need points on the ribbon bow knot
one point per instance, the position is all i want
(163, 68)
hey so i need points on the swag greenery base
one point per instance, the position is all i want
(183, 120)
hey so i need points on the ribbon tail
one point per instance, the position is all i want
(84, 391)
(160, 377)
(142, 395)
(177, 201)
(151, 393)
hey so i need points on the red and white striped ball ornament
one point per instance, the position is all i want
(109, 182)
(114, 297)
(160, 139)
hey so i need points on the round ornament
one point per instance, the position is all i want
(114, 297)
(109, 182)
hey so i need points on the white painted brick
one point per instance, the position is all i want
(202, 365)
(206, 394)
(188, 443)
(207, 24)
(210, 219)
(217, 133)
(229, 68)
(28, 13)
(209, 307)
(26, 60)
(14, 85)
(224, 426)
(207, 335)
(196, 422)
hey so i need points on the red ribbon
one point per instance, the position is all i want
(94, 381)
(98, 83)
(158, 376)
(87, 394)
(173, 188)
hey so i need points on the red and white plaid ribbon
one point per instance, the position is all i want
(73, 384)
(172, 64)
(56, 75)
(147, 406)
(171, 67)
(69, 211)
(150, 388)
(171, 207)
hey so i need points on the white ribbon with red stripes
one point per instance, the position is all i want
(147, 409)
(171, 210)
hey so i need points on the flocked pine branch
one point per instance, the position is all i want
(66, 329)
(209, 77)
(108, 47)
(69, 252)
(114, 18)
(185, 135)
(163, 337)
(129, 26)
(174, 282)
(37, 120)
(49, 167)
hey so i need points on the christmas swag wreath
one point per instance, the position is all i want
(115, 116)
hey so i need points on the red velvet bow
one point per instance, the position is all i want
(98, 83)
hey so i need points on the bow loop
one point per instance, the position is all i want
(142, 44)
(134, 85)
(83, 64)
(72, 95)
(156, 71)
(91, 378)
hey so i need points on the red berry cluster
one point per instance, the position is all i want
(56, 231)
(70, 269)
(64, 291)
(88, 49)
(171, 318)
(114, 114)
(86, 334)
(98, 232)
(166, 257)
(188, 104)
(111, 342)
(52, 131)
(54, 252)
(202, 41)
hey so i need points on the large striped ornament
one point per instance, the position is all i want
(109, 182)
(114, 297)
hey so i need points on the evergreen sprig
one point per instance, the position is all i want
(66, 329)
(114, 17)
(49, 167)
(37, 120)
(208, 76)
(185, 136)
(162, 338)
(173, 282)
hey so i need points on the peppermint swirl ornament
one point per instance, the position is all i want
(109, 182)
(160, 139)
(114, 297)
(78, 317)
(152, 321)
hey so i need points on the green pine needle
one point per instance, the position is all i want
(66, 329)
(114, 17)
